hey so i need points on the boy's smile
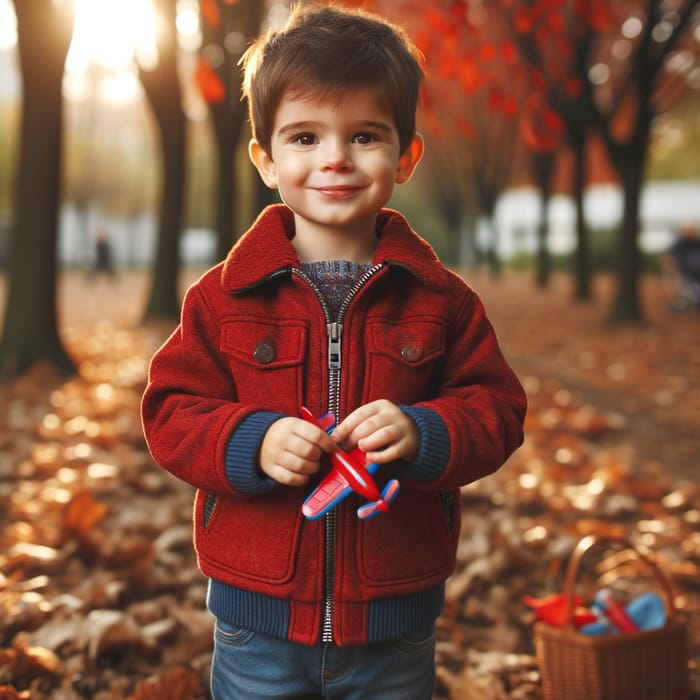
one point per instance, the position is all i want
(335, 165)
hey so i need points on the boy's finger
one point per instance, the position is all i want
(284, 476)
(351, 422)
(313, 434)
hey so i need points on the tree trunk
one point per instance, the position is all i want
(164, 299)
(491, 255)
(468, 249)
(543, 163)
(162, 87)
(629, 158)
(30, 332)
(242, 19)
(582, 254)
(227, 128)
(626, 306)
(452, 250)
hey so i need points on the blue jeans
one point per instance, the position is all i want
(248, 665)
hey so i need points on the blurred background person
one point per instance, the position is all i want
(681, 269)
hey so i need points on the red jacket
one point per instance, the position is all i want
(252, 345)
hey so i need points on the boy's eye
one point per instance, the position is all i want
(365, 137)
(305, 139)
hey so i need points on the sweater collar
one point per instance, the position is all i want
(266, 249)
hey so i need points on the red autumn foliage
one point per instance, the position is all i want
(210, 84)
(210, 12)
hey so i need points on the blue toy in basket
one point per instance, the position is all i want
(646, 611)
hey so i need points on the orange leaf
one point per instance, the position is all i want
(495, 99)
(437, 22)
(598, 16)
(210, 12)
(523, 21)
(83, 513)
(446, 66)
(537, 138)
(424, 41)
(510, 53)
(434, 124)
(465, 128)
(459, 10)
(538, 80)
(210, 84)
(555, 23)
(487, 52)
(553, 121)
(510, 107)
(469, 76)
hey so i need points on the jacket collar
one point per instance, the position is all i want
(266, 249)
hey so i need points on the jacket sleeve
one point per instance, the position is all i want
(190, 412)
(480, 401)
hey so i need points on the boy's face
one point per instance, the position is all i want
(335, 165)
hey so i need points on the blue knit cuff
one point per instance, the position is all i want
(241, 457)
(434, 451)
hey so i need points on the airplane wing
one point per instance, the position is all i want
(331, 491)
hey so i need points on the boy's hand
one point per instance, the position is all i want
(381, 430)
(291, 450)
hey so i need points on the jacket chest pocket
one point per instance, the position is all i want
(266, 357)
(403, 357)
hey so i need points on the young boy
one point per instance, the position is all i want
(332, 302)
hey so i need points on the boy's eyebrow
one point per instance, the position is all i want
(296, 127)
(382, 126)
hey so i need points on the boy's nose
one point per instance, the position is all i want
(335, 154)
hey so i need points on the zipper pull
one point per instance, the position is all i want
(335, 330)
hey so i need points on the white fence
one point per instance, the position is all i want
(664, 207)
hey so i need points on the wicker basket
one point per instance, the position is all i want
(651, 665)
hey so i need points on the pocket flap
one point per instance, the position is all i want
(411, 343)
(265, 343)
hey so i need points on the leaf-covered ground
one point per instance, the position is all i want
(100, 597)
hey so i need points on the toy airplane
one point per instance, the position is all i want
(351, 472)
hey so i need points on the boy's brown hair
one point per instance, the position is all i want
(322, 52)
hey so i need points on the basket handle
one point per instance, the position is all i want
(588, 543)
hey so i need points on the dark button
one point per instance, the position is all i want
(412, 353)
(265, 353)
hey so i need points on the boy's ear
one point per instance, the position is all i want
(262, 161)
(409, 159)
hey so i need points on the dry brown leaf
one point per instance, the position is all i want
(9, 692)
(83, 513)
(105, 576)
(110, 630)
(461, 686)
(22, 663)
(173, 684)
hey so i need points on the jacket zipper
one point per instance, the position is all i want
(334, 332)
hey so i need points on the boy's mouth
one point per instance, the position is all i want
(337, 191)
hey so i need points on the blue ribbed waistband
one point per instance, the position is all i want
(388, 618)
